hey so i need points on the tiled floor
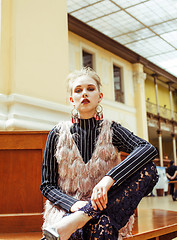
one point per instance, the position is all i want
(165, 202)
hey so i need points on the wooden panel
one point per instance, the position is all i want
(21, 236)
(21, 171)
(15, 224)
(21, 202)
(22, 140)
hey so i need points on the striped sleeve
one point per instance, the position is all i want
(140, 153)
(49, 186)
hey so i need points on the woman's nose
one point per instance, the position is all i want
(85, 94)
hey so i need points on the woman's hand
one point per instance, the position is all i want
(99, 197)
(78, 205)
(174, 176)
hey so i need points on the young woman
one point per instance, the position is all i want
(91, 194)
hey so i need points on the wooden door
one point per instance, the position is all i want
(21, 202)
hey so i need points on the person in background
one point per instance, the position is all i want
(171, 173)
(91, 193)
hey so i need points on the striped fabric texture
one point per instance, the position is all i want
(85, 134)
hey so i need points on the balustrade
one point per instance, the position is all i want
(163, 111)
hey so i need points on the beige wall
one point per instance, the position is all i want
(150, 91)
(175, 101)
(164, 97)
(35, 48)
(33, 64)
(103, 62)
(5, 46)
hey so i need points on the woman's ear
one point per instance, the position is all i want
(100, 97)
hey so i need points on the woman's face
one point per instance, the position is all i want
(85, 96)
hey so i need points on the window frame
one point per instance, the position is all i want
(90, 50)
(121, 82)
(92, 62)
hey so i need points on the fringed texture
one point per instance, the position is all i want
(105, 136)
(127, 229)
(76, 177)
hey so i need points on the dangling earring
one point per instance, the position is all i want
(99, 113)
(74, 115)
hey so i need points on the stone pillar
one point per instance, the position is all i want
(174, 147)
(156, 93)
(171, 101)
(160, 147)
(139, 81)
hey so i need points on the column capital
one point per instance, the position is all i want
(138, 73)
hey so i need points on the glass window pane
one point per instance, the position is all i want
(87, 59)
(118, 90)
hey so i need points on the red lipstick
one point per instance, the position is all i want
(85, 101)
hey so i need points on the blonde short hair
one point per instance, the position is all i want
(84, 71)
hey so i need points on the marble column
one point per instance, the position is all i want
(174, 147)
(139, 86)
(160, 147)
(156, 93)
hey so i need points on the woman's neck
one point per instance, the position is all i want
(86, 116)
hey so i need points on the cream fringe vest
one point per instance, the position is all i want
(76, 178)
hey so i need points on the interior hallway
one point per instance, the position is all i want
(165, 202)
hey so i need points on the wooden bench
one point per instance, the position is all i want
(154, 224)
(150, 224)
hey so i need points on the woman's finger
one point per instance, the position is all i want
(97, 199)
(101, 200)
(93, 199)
(94, 204)
(105, 197)
(99, 204)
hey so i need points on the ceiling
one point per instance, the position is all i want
(147, 27)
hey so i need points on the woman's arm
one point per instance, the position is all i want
(140, 153)
(168, 176)
(49, 186)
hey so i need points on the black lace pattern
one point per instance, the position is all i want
(122, 201)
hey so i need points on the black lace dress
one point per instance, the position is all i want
(122, 201)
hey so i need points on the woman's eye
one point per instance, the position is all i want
(91, 89)
(78, 90)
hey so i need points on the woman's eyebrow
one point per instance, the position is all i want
(87, 85)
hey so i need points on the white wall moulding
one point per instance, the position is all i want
(120, 106)
(18, 112)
